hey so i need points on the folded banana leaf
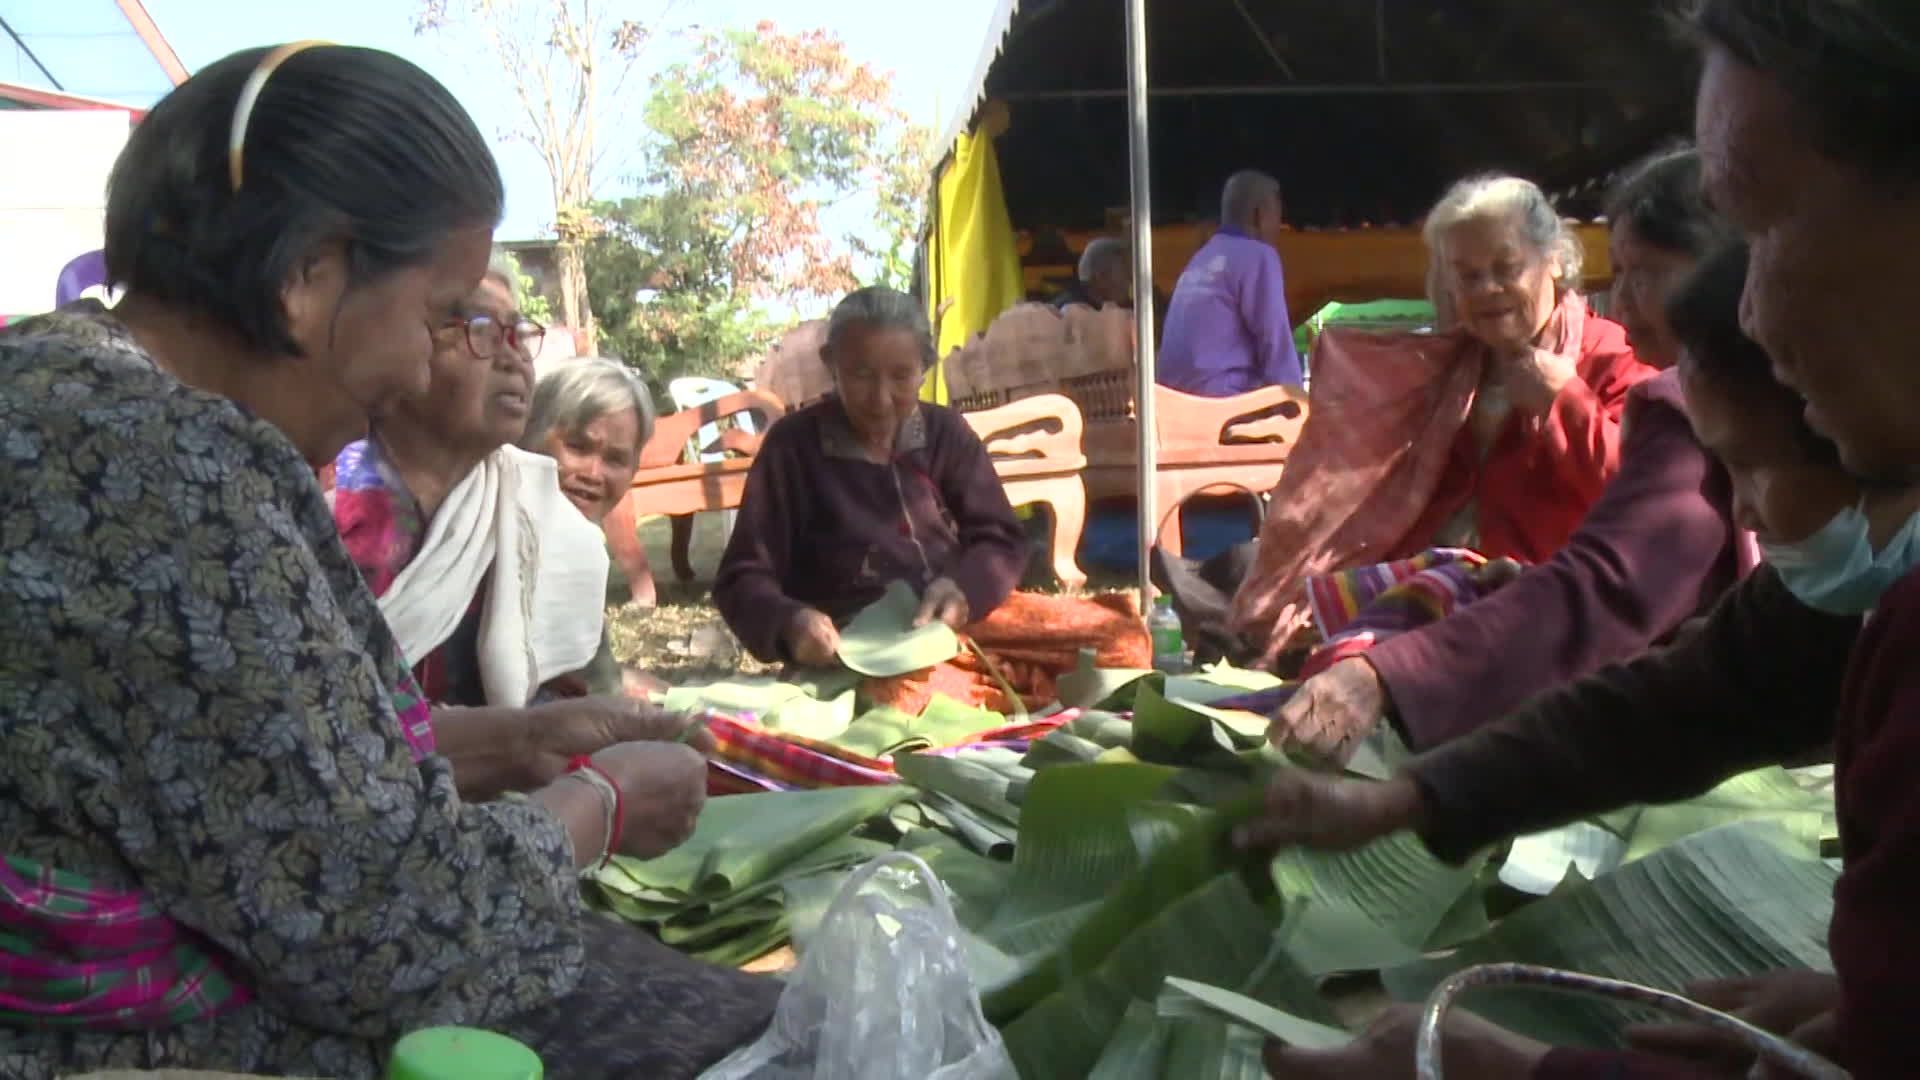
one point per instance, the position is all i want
(1736, 900)
(775, 704)
(743, 840)
(886, 730)
(984, 834)
(882, 640)
(974, 883)
(1113, 689)
(983, 779)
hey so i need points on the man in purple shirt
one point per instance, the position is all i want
(1227, 329)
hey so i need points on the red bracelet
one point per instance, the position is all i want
(583, 763)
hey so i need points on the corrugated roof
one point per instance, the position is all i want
(102, 49)
(989, 51)
(1364, 111)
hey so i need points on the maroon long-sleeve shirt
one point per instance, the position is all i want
(820, 526)
(1657, 548)
(1766, 679)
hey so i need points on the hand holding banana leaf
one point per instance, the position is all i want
(943, 601)
(812, 640)
(559, 731)
(1797, 1004)
(1332, 712)
(663, 787)
(1470, 1047)
(1305, 808)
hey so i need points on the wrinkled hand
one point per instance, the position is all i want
(1820, 1035)
(1469, 1046)
(812, 640)
(1534, 377)
(1781, 1002)
(943, 601)
(1305, 808)
(559, 731)
(1329, 715)
(662, 788)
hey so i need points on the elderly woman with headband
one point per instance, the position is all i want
(872, 486)
(1496, 436)
(231, 841)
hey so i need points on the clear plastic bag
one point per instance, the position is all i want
(883, 992)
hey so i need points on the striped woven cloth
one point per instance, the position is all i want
(748, 757)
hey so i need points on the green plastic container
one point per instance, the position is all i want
(457, 1053)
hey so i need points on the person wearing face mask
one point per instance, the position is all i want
(1712, 710)
(1496, 435)
(871, 486)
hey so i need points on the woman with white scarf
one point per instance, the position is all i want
(493, 581)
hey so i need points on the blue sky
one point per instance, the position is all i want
(930, 47)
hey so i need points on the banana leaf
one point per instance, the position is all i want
(981, 833)
(1378, 905)
(1177, 733)
(1769, 794)
(1151, 1045)
(973, 884)
(1061, 747)
(982, 779)
(777, 705)
(882, 640)
(884, 731)
(1114, 688)
(1735, 900)
(1284, 1026)
(1219, 933)
(743, 840)
(1242, 680)
(1104, 729)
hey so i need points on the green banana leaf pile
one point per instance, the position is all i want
(1113, 931)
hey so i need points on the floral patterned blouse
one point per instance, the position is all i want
(196, 704)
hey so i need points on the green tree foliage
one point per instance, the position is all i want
(750, 143)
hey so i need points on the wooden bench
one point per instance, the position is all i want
(1034, 444)
(1206, 445)
(668, 483)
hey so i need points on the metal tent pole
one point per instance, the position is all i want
(1142, 289)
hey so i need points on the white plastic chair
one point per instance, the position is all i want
(692, 392)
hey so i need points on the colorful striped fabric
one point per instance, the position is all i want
(73, 953)
(1354, 609)
(748, 757)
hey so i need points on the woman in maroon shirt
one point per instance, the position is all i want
(871, 486)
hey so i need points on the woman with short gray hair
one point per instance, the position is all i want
(592, 415)
(870, 487)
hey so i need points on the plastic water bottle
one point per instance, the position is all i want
(1169, 643)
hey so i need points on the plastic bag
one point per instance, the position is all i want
(882, 993)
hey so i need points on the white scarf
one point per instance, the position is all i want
(544, 608)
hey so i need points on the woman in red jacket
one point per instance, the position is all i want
(1496, 435)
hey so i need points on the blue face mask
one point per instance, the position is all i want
(1836, 569)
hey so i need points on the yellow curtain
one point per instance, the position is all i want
(972, 259)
